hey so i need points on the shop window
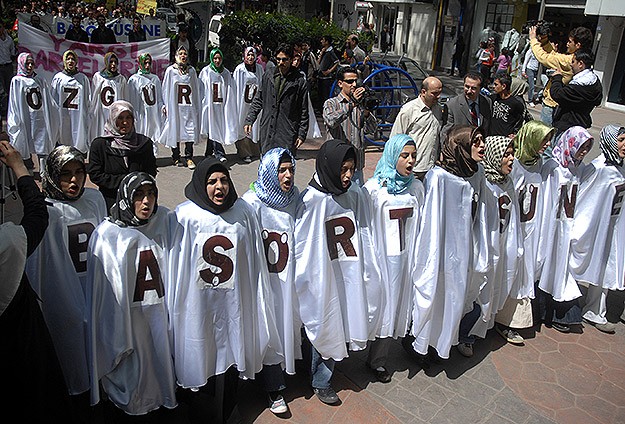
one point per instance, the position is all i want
(499, 16)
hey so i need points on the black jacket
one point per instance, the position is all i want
(575, 103)
(77, 34)
(134, 36)
(103, 36)
(193, 55)
(107, 168)
(284, 119)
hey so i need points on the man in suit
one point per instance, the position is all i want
(471, 108)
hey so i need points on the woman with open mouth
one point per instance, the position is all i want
(222, 321)
(127, 275)
(107, 86)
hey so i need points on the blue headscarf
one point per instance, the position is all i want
(386, 170)
(267, 186)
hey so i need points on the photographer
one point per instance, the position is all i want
(348, 116)
(579, 38)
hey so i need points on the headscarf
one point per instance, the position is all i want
(568, 144)
(183, 68)
(386, 169)
(518, 87)
(608, 144)
(106, 72)
(330, 158)
(56, 160)
(123, 210)
(195, 191)
(246, 51)
(129, 141)
(21, 65)
(496, 146)
(528, 141)
(219, 69)
(456, 152)
(141, 59)
(267, 186)
(66, 71)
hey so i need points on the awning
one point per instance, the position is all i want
(363, 5)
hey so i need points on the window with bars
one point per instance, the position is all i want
(499, 16)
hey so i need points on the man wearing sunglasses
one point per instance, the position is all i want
(347, 119)
(283, 99)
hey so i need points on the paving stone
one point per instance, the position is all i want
(488, 375)
(412, 403)
(508, 404)
(579, 380)
(460, 409)
(575, 416)
(611, 393)
(534, 371)
(536, 418)
(548, 396)
(437, 394)
(596, 407)
(554, 360)
(612, 360)
(583, 356)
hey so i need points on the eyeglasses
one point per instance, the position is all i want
(350, 81)
(283, 59)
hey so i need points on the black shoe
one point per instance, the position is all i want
(421, 360)
(382, 375)
(562, 328)
(327, 396)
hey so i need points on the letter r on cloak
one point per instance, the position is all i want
(341, 231)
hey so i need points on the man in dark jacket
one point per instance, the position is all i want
(283, 98)
(76, 33)
(102, 34)
(137, 33)
(580, 96)
(183, 39)
(470, 108)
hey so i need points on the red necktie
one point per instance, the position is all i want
(473, 114)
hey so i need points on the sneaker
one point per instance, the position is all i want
(190, 164)
(247, 159)
(510, 335)
(327, 396)
(277, 405)
(222, 159)
(562, 328)
(179, 163)
(465, 349)
(608, 327)
(382, 375)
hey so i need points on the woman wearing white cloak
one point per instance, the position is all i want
(107, 86)
(247, 77)
(145, 94)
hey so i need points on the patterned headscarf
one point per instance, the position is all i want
(21, 65)
(568, 144)
(330, 158)
(267, 186)
(456, 152)
(219, 69)
(106, 72)
(247, 50)
(129, 141)
(608, 144)
(123, 210)
(141, 59)
(66, 70)
(56, 160)
(183, 67)
(496, 146)
(386, 169)
(528, 140)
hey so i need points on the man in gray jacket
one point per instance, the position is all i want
(283, 100)
(469, 108)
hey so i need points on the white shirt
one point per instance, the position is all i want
(7, 50)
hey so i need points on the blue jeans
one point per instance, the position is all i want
(531, 78)
(466, 324)
(321, 370)
(546, 114)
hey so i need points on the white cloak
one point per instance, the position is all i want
(277, 230)
(443, 261)
(561, 188)
(104, 92)
(57, 271)
(72, 94)
(221, 312)
(246, 84)
(598, 235)
(395, 221)
(31, 121)
(528, 183)
(145, 94)
(181, 96)
(219, 106)
(128, 320)
(338, 278)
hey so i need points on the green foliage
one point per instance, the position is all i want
(246, 28)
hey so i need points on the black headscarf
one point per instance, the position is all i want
(195, 191)
(123, 210)
(330, 158)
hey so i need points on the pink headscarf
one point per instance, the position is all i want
(568, 144)
(21, 65)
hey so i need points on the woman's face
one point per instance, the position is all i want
(583, 150)
(113, 63)
(147, 65)
(347, 172)
(249, 58)
(285, 176)
(544, 144)
(217, 60)
(125, 122)
(29, 65)
(217, 187)
(182, 56)
(620, 143)
(407, 159)
(144, 199)
(70, 62)
(507, 160)
(72, 179)
(477, 147)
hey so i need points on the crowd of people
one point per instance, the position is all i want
(469, 222)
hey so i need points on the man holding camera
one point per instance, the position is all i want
(348, 117)
(422, 120)
(579, 38)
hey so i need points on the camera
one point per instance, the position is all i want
(542, 27)
(369, 99)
